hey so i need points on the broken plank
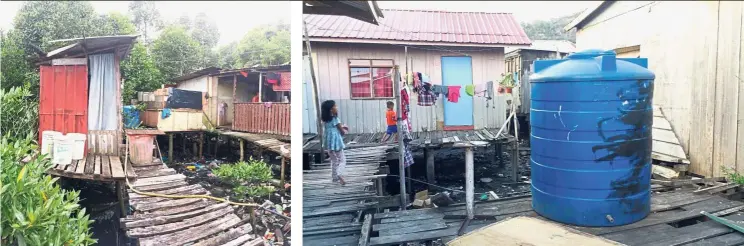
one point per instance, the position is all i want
(366, 230)
(226, 237)
(176, 210)
(718, 188)
(664, 172)
(166, 204)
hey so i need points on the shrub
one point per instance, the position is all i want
(20, 113)
(253, 191)
(36, 211)
(253, 171)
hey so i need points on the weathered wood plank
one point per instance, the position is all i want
(129, 223)
(163, 186)
(106, 167)
(167, 204)
(227, 237)
(80, 168)
(90, 165)
(366, 230)
(172, 211)
(178, 226)
(97, 168)
(194, 233)
(116, 168)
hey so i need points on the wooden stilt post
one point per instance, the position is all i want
(380, 191)
(430, 172)
(183, 144)
(499, 153)
(122, 199)
(515, 150)
(201, 145)
(216, 145)
(242, 152)
(170, 148)
(284, 162)
(469, 182)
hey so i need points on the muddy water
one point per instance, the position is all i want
(100, 202)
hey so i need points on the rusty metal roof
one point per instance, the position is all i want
(144, 132)
(421, 27)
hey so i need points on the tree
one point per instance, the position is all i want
(228, 56)
(114, 23)
(175, 53)
(264, 45)
(146, 18)
(551, 29)
(15, 69)
(38, 23)
(139, 73)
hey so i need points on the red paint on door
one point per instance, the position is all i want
(63, 104)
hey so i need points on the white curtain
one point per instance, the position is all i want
(102, 93)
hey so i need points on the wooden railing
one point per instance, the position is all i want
(267, 118)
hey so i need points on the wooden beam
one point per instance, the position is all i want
(242, 150)
(170, 148)
(430, 171)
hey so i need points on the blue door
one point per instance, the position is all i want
(458, 71)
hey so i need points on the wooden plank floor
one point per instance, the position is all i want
(264, 141)
(168, 221)
(420, 139)
(330, 211)
(656, 229)
(94, 167)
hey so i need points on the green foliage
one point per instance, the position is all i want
(115, 23)
(253, 171)
(41, 22)
(253, 191)
(19, 116)
(146, 19)
(265, 45)
(36, 211)
(16, 70)
(175, 52)
(551, 29)
(139, 73)
(732, 176)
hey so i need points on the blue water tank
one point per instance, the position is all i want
(591, 119)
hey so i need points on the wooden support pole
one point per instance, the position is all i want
(408, 181)
(242, 151)
(122, 199)
(183, 144)
(260, 87)
(430, 172)
(515, 151)
(201, 145)
(469, 182)
(380, 191)
(216, 145)
(170, 148)
(284, 163)
(401, 149)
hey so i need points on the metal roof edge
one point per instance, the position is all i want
(412, 43)
(585, 15)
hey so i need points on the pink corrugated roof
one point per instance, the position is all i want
(423, 26)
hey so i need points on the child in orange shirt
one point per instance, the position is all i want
(392, 123)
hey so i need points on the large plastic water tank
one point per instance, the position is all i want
(591, 119)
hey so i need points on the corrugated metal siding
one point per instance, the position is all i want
(364, 116)
(63, 104)
(693, 48)
(195, 84)
(269, 118)
(308, 105)
(423, 26)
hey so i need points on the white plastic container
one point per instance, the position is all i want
(62, 150)
(47, 142)
(78, 145)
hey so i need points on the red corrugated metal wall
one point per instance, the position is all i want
(63, 104)
(258, 118)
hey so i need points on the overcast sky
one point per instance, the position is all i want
(524, 11)
(234, 19)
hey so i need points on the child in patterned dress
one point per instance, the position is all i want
(334, 142)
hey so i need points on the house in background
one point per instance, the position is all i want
(694, 50)
(352, 60)
(519, 61)
(255, 95)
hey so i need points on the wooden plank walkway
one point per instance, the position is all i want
(667, 208)
(331, 211)
(94, 167)
(420, 139)
(264, 141)
(167, 221)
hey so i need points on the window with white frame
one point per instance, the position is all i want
(371, 78)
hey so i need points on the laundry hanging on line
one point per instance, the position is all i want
(453, 94)
(272, 78)
(470, 90)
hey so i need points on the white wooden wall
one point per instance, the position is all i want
(365, 116)
(694, 48)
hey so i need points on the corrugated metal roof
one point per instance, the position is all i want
(422, 26)
(563, 46)
(90, 45)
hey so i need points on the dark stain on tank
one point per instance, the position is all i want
(633, 146)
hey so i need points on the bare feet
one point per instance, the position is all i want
(341, 181)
